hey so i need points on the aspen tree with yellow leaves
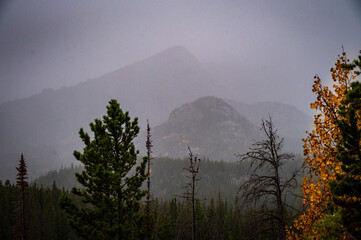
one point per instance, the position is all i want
(320, 151)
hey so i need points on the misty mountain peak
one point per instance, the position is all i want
(177, 51)
(211, 108)
(176, 54)
(173, 61)
(209, 125)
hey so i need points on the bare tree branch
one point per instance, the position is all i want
(265, 182)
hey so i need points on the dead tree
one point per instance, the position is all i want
(190, 187)
(265, 184)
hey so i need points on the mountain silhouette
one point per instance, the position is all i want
(45, 126)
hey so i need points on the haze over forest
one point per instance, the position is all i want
(61, 62)
(180, 119)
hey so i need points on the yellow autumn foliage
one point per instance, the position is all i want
(320, 152)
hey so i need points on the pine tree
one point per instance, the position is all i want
(111, 186)
(20, 230)
(347, 186)
(148, 202)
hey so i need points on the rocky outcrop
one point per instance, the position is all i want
(209, 126)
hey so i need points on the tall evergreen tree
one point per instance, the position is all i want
(347, 187)
(148, 145)
(21, 226)
(111, 186)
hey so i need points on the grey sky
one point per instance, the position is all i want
(60, 43)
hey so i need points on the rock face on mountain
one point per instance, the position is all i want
(209, 126)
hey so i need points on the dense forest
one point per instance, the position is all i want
(216, 219)
(45, 219)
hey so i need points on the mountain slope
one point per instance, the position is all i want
(45, 126)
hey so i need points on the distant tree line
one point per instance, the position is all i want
(167, 177)
(45, 218)
(171, 219)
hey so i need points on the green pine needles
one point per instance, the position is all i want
(347, 188)
(111, 180)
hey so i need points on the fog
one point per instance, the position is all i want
(227, 83)
(50, 44)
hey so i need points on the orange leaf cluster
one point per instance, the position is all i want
(320, 152)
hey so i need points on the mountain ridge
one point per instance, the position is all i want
(175, 53)
(45, 126)
(48, 122)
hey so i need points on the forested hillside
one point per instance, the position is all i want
(217, 178)
(216, 204)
